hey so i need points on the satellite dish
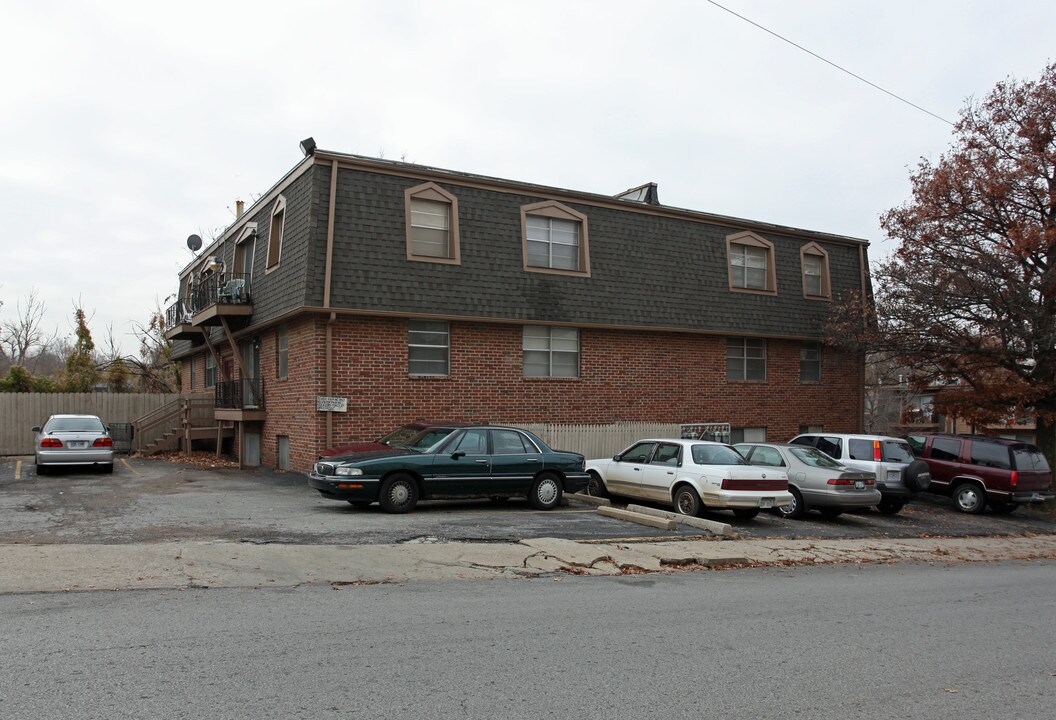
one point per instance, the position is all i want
(194, 243)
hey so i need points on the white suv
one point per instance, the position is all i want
(899, 475)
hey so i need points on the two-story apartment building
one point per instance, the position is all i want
(358, 294)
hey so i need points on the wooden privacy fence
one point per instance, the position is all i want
(599, 441)
(19, 412)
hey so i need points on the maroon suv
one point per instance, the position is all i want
(978, 471)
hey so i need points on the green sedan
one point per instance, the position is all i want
(470, 462)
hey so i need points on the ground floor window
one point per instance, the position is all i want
(428, 347)
(551, 351)
(745, 359)
(747, 435)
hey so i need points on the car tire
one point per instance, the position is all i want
(359, 504)
(42, 469)
(917, 476)
(797, 509)
(1002, 508)
(108, 469)
(596, 486)
(399, 494)
(687, 501)
(745, 513)
(969, 498)
(830, 512)
(890, 507)
(546, 492)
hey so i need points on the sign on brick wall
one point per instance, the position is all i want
(331, 404)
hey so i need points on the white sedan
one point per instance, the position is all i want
(691, 476)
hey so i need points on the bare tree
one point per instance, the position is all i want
(24, 338)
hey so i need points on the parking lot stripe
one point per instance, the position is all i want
(654, 538)
(18, 469)
(131, 469)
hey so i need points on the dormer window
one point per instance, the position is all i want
(554, 239)
(431, 215)
(751, 263)
(815, 263)
(278, 221)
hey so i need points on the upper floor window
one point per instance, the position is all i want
(431, 216)
(245, 249)
(554, 237)
(751, 263)
(551, 351)
(815, 263)
(210, 370)
(282, 353)
(278, 222)
(810, 362)
(428, 347)
(745, 359)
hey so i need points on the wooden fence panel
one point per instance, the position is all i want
(19, 412)
(599, 441)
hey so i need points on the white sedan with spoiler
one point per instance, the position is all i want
(690, 475)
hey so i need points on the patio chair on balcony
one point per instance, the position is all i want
(232, 291)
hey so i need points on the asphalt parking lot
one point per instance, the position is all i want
(147, 500)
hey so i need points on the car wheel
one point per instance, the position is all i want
(546, 492)
(745, 513)
(830, 512)
(596, 486)
(1002, 508)
(917, 475)
(687, 502)
(399, 494)
(796, 509)
(890, 507)
(359, 504)
(108, 468)
(42, 469)
(969, 498)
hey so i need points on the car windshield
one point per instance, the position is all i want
(814, 457)
(74, 424)
(716, 455)
(896, 451)
(425, 439)
(1029, 458)
(401, 435)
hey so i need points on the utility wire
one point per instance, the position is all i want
(842, 69)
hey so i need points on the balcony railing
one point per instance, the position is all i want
(241, 394)
(225, 288)
(177, 313)
(917, 416)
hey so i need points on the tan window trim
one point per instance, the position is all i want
(826, 286)
(752, 240)
(554, 209)
(275, 243)
(250, 230)
(432, 191)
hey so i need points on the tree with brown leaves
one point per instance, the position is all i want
(970, 294)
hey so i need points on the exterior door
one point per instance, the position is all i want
(251, 383)
(624, 476)
(251, 448)
(462, 467)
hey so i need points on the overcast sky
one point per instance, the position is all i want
(127, 126)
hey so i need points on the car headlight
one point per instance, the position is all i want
(348, 471)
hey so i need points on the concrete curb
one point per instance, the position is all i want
(183, 565)
(640, 518)
(716, 527)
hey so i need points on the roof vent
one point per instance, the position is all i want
(643, 193)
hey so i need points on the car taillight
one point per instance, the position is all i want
(840, 481)
(103, 442)
(51, 442)
(1014, 479)
(877, 455)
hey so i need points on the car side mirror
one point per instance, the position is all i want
(616, 458)
(36, 428)
(458, 454)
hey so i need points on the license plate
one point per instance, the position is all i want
(894, 475)
(766, 503)
(78, 443)
(859, 484)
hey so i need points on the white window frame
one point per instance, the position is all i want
(806, 362)
(424, 336)
(542, 344)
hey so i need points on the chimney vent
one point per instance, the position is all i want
(240, 207)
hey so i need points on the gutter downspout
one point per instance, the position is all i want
(326, 299)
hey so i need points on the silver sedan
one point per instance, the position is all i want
(73, 440)
(816, 481)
